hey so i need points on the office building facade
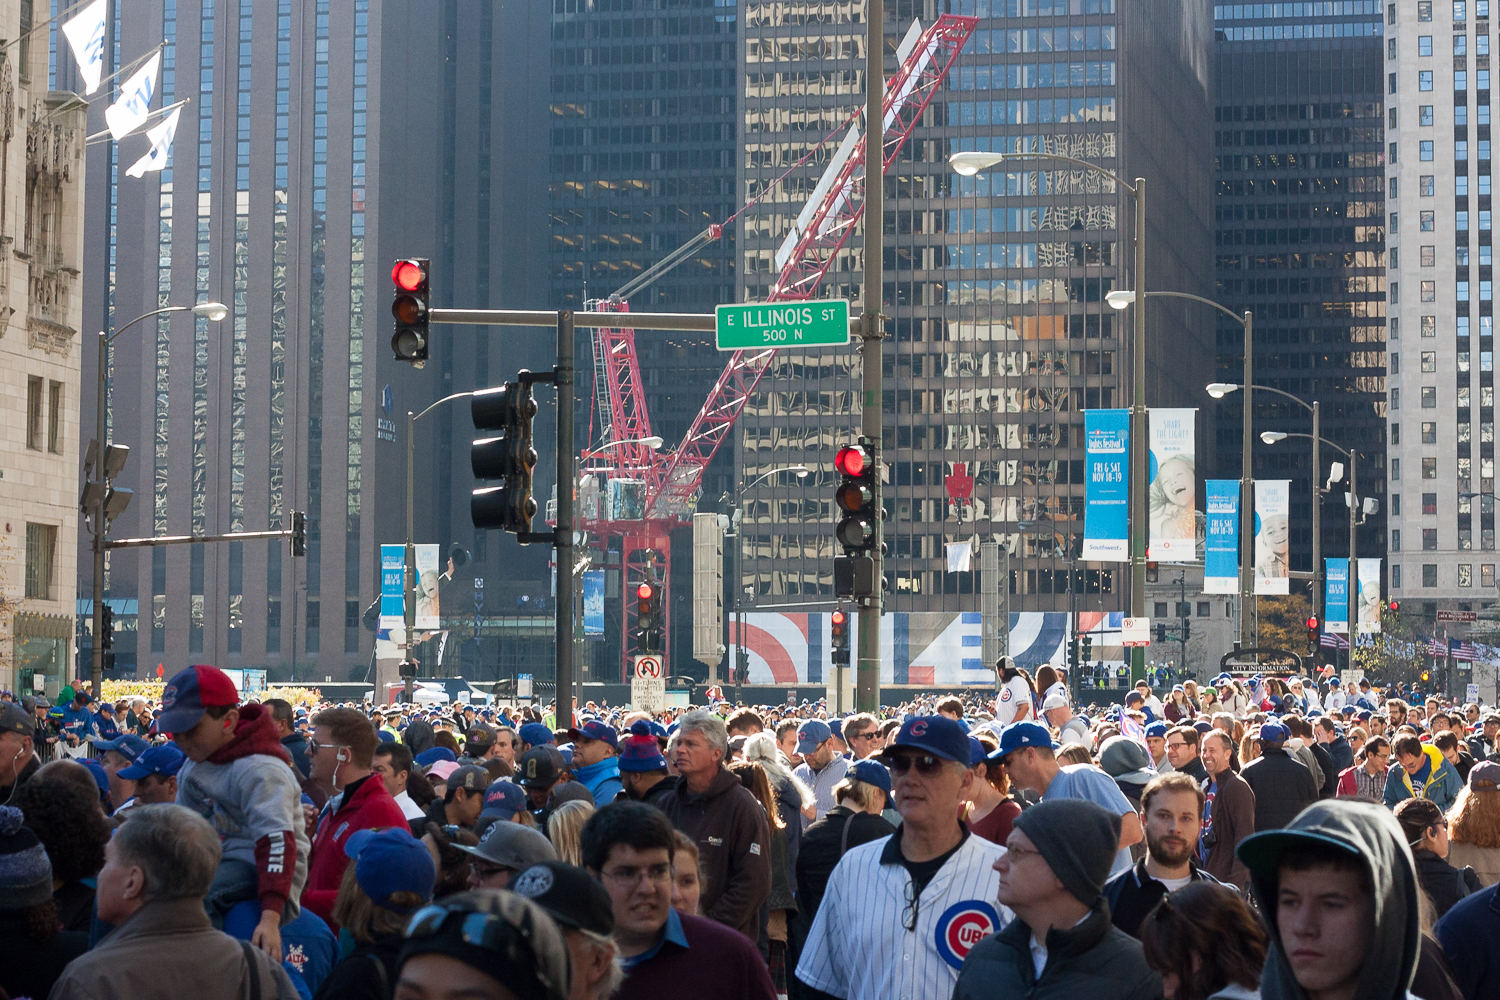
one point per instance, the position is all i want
(1299, 217)
(1441, 383)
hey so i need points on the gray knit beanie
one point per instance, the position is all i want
(25, 869)
(1078, 839)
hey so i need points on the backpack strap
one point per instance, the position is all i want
(249, 951)
(844, 836)
(380, 973)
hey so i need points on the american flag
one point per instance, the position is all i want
(1462, 650)
(1333, 640)
(1437, 647)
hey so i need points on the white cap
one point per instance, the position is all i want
(1054, 701)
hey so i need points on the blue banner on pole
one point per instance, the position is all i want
(593, 602)
(1336, 595)
(1106, 515)
(1221, 545)
(392, 585)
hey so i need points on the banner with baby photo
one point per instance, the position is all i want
(1272, 533)
(1174, 487)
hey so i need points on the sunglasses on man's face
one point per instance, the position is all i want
(925, 763)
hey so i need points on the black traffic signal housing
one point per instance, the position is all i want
(854, 571)
(106, 627)
(299, 534)
(410, 308)
(505, 454)
(1161, 632)
(742, 669)
(1313, 634)
(1086, 649)
(406, 668)
(839, 635)
(648, 617)
(1074, 649)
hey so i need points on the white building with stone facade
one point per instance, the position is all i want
(42, 137)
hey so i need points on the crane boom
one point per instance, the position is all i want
(822, 229)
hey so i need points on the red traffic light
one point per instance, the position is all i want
(852, 460)
(839, 619)
(409, 275)
(1312, 624)
(1394, 606)
(645, 592)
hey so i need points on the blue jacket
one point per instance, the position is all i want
(601, 779)
(1443, 782)
(1470, 936)
(77, 722)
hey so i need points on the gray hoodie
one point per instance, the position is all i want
(1369, 830)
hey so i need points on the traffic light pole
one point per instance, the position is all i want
(562, 535)
(872, 333)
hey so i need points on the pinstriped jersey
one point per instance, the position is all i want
(859, 947)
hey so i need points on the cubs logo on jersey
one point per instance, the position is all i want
(962, 926)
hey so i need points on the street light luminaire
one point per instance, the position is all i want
(970, 164)
(1120, 298)
(212, 311)
(1271, 437)
(1218, 390)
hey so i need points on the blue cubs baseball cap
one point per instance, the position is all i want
(595, 730)
(812, 734)
(1020, 735)
(934, 734)
(391, 861)
(536, 734)
(504, 798)
(128, 746)
(165, 760)
(432, 755)
(836, 727)
(100, 776)
(189, 693)
(1156, 729)
(976, 751)
(872, 772)
(1274, 732)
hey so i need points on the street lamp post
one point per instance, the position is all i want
(1351, 583)
(968, 164)
(1218, 390)
(98, 491)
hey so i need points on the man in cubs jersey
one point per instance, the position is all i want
(901, 913)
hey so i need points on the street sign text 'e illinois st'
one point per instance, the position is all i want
(816, 323)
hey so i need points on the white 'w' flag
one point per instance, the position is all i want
(134, 106)
(161, 147)
(85, 34)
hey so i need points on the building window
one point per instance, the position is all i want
(1429, 361)
(1425, 220)
(1429, 291)
(1395, 223)
(1395, 539)
(1394, 291)
(41, 560)
(1161, 609)
(1424, 10)
(1391, 82)
(1461, 291)
(1460, 10)
(1425, 185)
(1424, 47)
(1429, 540)
(1429, 326)
(1466, 574)
(1429, 468)
(1395, 467)
(55, 418)
(1428, 256)
(1461, 222)
(1395, 504)
(1204, 609)
(1487, 574)
(1396, 402)
(1461, 114)
(1424, 80)
(1461, 149)
(1429, 397)
(1429, 574)
(1424, 150)
(1460, 45)
(1424, 115)
(1429, 432)
(35, 414)
(1395, 576)
(1429, 503)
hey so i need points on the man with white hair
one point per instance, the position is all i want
(725, 820)
(1059, 715)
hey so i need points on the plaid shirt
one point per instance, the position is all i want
(1367, 785)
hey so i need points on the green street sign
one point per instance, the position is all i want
(817, 323)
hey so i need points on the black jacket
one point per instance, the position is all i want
(29, 967)
(1195, 770)
(734, 848)
(369, 973)
(1326, 764)
(1132, 893)
(656, 795)
(1094, 959)
(296, 745)
(1342, 754)
(1444, 884)
(1283, 787)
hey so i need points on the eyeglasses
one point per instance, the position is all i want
(631, 876)
(874, 734)
(324, 746)
(1177, 746)
(913, 904)
(925, 763)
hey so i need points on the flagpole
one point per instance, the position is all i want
(99, 137)
(128, 67)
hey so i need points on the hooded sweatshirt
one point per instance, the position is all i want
(1371, 832)
(250, 793)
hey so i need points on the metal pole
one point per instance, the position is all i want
(1317, 518)
(1247, 493)
(1353, 575)
(97, 651)
(1139, 523)
(410, 599)
(867, 676)
(567, 483)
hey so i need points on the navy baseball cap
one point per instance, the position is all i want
(504, 798)
(812, 734)
(388, 862)
(1020, 735)
(432, 755)
(1156, 729)
(165, 760)
(191, 691)
(128, 746)
(536, 734)
(595, 730)
(1274, 732)
(976, 751)
(836, 727)
(939, 736)
(872, 772)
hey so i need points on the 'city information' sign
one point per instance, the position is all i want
(818, 323)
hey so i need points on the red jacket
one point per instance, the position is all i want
(369, 808)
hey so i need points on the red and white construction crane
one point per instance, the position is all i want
(657, 491)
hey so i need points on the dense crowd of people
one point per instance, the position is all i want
(1252, 837)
